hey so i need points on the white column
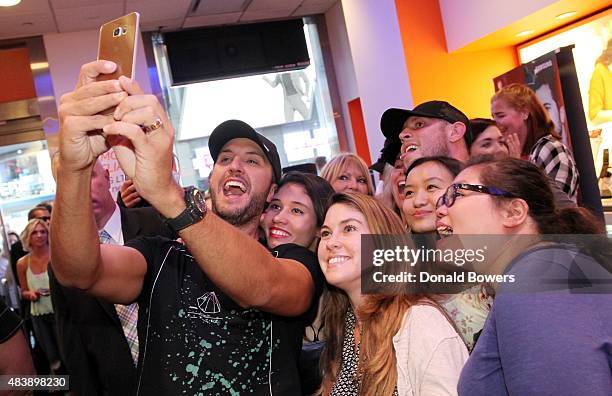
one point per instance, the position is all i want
(378, 58)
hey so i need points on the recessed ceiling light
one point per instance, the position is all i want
(565, 15)
(9, 3)
(524, 33)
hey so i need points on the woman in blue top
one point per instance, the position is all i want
(550, 331)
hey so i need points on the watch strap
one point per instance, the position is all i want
(191, 215)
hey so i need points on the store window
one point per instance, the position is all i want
(25, 181)
(291, 108)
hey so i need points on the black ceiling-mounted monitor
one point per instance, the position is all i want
(216, 53)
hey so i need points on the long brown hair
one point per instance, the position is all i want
(522, 98)
(381, 315)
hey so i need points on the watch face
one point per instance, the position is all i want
(199, 201)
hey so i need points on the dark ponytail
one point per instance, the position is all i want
(574, 221)
(527, 181)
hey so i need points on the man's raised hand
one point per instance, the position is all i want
(151, 167)
(81, 140)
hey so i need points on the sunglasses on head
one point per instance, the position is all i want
(452, 192)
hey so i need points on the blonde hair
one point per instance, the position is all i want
(522, 98)
(382, 315)
(337, 166)
(26, 234)
(386, 195)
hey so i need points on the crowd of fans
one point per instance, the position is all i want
(260, 289)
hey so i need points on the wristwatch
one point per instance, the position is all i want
(194, 212)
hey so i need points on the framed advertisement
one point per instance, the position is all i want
(590, 41)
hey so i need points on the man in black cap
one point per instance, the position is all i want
(430, 129)
(220, 314)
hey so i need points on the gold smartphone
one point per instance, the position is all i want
(118, 40)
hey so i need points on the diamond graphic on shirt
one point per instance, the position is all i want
(208, 306)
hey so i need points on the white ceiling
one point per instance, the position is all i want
(36, 17)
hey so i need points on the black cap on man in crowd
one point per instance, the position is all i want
(392, 120)
(234, 129)
(388, 154)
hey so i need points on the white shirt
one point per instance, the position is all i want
(113, 226)
(430, 353)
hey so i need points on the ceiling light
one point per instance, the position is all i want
(9, 3)
(565, 15)
(524, 33)
(39, 65)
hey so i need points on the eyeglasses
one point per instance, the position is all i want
(44, 218)
(452, 192)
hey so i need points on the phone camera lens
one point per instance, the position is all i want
(117, 32)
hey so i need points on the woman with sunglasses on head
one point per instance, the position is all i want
(392, 344)
(549, 331)
(517, 110)
(347, 172)
(427, 179)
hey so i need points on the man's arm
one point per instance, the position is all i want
(246, 271)
(78, 260)
(15, 358)
(76, 256)
(234, 261)
(273, 82)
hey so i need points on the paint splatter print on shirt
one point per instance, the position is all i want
(195, 340)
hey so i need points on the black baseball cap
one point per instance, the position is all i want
(308, 167)
(392, 120)
(234, 129)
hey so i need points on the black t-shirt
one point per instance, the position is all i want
(194, 338)
(9, 322)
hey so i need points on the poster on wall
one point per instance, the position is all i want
(591, 42)
(552, 77)
(542, 75)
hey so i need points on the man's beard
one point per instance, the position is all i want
(438, 147)
(240, 216)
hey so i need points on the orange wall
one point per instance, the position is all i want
(17, 80)
(462, 78)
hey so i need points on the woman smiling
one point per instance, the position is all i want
(400, 344)
(296, 211)
(548, 331)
